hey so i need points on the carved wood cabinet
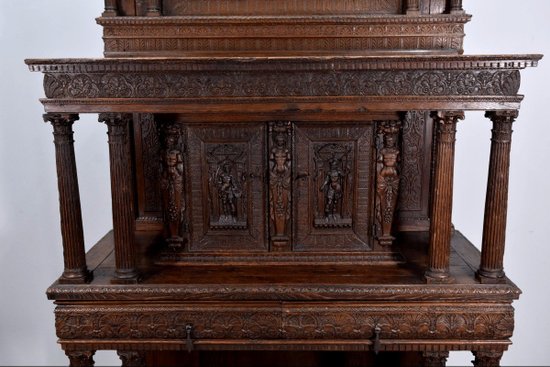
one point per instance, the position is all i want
(282, 177)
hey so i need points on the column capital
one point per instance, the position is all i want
(60, 118)
(502, 116)
(447, 117)
(114, 118)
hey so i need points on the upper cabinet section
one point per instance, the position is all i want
(134, 28)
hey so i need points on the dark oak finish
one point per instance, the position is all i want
(282, 184)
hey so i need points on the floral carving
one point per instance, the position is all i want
(240, 84)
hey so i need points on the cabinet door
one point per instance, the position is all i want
(333, 193)
(227, 195)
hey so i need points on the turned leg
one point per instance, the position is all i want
(132, 358)
(122, 196)
(456, 7)
(442, 197)
(80, 358)
(74, 254)
(111, 8)
(487, 359)
(413, 7)
(435, 359)
(491, 269)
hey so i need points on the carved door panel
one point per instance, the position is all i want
(333, 192)
(227, 194)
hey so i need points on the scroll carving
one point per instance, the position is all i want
(280, 185)
(169, 84)
(227, 179)
(333, 167)
(172, 181)
(387, 181)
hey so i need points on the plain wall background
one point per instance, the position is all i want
(30, 249)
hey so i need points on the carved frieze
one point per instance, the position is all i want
(304, 322)
(172, 184)
(280, 184)
(387, 179)
(264, 84)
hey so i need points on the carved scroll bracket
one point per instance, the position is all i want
(280, 184)
(172, 184)
(387, 181)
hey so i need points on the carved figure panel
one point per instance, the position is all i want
(387, 179)
(227, 193)
(280, 184)
(333, 187)
(172, 184)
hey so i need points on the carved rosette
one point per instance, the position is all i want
(280, 185)
(387, 180)
(122, 192)
(172, 184)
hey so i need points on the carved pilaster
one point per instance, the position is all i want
(153, 8)
(74, 254)
(413, 7)
(487, 359)
(456, 7)
(80, 358)
(111, 8)
(496, 202)
(387, 180)
(442, 197)
(172, 184)
(122, 195)
(132, 359)
(435, 359)
(280, 185)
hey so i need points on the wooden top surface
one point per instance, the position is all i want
(260, 282)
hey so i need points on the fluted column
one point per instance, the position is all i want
(456, 7)
(413, 7)
(122, 196)
(153, 8)
(111, 8)
(442, 197)
(491, 269)
(74, 254)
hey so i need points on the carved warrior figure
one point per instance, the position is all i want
(226, 184)
(172, 184)
(280, 179)
(387, 181)
(334, 182)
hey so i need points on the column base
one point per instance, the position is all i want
(491, 277)
(129, 276)
(81, 276)
(437, 277)
(109, 13)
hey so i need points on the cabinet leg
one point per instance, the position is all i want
(80, 358)
(435, 359)
(487, 359)
(132, 359)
